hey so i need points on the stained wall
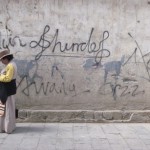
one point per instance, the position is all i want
(79, 55)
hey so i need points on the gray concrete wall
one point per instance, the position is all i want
(79, 55)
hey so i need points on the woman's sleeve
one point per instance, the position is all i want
(7, 77)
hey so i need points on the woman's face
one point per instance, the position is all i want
(4, 61)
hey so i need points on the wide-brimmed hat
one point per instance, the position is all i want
(5, 53)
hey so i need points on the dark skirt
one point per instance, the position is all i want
(7, 89)
(3, 92)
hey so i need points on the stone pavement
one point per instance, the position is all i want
(77, 136)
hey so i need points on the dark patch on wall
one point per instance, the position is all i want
(25, 66)
(129, 80)
(89, 64)
(113, 66)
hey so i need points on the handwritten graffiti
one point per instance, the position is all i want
(134, 54)
(118, 90)
(56, 68)
(11, 42)
(50, 87)
(96, 52)
(45, 87)
(91, 47)
(134, 90)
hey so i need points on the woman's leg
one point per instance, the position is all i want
(10, 119)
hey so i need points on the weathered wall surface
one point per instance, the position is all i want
(79, 55)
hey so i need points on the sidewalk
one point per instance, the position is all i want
(77, 136)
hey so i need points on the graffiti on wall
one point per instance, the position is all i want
(44, 44)
(11, 42)
(96, 53)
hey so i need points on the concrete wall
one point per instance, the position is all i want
(79, 55)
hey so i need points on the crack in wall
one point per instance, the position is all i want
(8, 31)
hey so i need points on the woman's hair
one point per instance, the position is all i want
(9, 57)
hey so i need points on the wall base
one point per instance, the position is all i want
(80, 116)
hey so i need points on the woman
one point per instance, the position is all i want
(8, 79)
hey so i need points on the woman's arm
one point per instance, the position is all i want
(7, 77)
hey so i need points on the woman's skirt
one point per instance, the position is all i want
(8, 121)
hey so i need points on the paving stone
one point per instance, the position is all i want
(65, 144)
(136, 144)
(100, 144)
(109, 128)
(95, 131)
(119, 147)
(29, 143)
(65, 130)
(79, 146)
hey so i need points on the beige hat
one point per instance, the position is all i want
(5, 53)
